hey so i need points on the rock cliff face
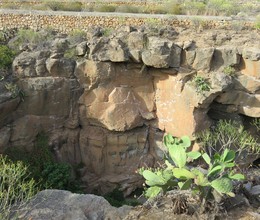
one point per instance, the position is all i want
(108, 104)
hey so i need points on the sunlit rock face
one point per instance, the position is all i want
(106, 101)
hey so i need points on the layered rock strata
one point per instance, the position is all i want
(106, 101)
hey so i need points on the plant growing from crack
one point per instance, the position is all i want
(229, 70)
(214, 182)
(15, 91)
(202, 84)
(229, 135)
(256, 124)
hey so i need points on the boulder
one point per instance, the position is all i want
(203, 58)
(251, 68)
(122, 103)
(60, 67)
(247, 104)
(161, 53)
(90, 73)
(23, 65)
(109, 50)
(225, 56)
(250, 53)
(247, 83)
(136, 45)
(64, 205)
(81, 48)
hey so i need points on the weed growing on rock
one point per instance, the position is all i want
(256, 123)
(15, 90)
(213, 182)
(202, 84)
(229, 70)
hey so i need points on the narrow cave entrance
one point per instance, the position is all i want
(218, 111)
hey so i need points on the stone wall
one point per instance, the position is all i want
(69, 21)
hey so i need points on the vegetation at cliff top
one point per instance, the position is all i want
(188, 7)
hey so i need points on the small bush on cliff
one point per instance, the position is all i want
(6, 57)
(16, 187)
(214, 182)
(202, 84)
(43, 167)
(229, 70)
(228, 135)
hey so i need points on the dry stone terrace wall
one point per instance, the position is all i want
(69, 21)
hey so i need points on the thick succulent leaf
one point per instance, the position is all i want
(182, 173)
(229, 165)
(222, 185)
(237, 176)
(214, 170)
(152, 191)
(228, 155)
(206, 157)
(217, 157)
(168, 164)
(185, 141)
(200, 179)
(178, 155)
(167, 175)
(185, 185)
(194, 155)
(152, 179)
(168, 140)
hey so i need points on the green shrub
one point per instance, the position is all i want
(73, 6)
(173, 7)
(229, 70)
(194, 8)
(77, 36)
(222, 7)
(228, 135)
(16, 188)
(202, 84)
(56, 175)
(256, 123)
(54, 5)
(6, 57)
(28, 36)
(104, 8)
(175, 173)
(128, 9)
(43, 167)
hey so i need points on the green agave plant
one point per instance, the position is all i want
(217, 179)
